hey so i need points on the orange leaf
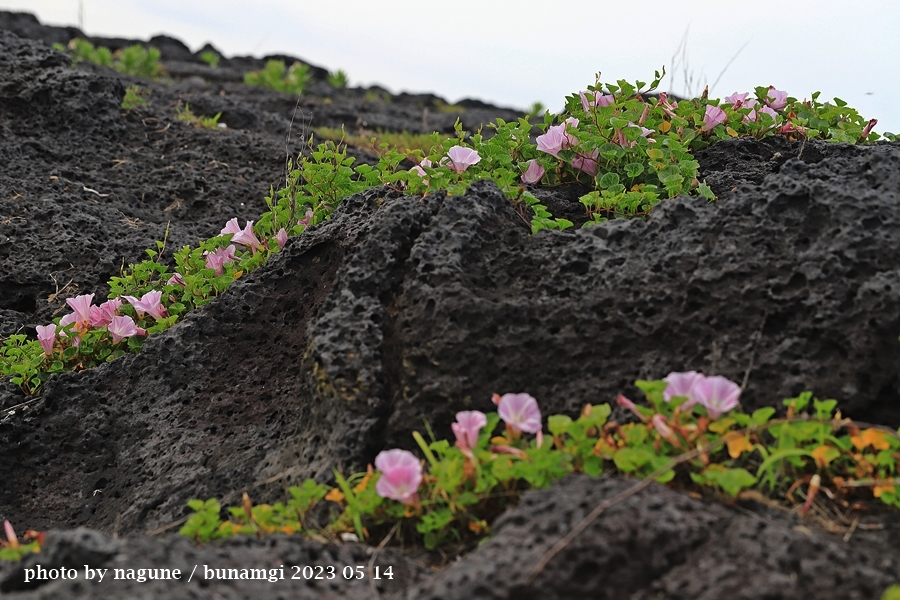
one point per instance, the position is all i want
(335, 495)
(737, 443)
(880, 489)
(824, 455)
(664, 127)
(871, 437)
(364, 483)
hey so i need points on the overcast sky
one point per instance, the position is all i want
(515, 52)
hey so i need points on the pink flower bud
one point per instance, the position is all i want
(46, 335)
(281, 237)
(468, 425)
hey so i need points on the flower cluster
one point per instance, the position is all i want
(401, 471)
(85, 316)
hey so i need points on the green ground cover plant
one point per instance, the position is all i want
(631, 153)
(135, 97)
(338, 79)
(690, 434)
(187, 116)
(277, 76)
(210, 58)
(133, 60)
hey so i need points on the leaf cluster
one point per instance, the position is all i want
(187, 116)
(277, 76)
(132, 60)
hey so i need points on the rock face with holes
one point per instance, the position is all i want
(403, 308)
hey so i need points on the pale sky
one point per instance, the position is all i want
(515, 52)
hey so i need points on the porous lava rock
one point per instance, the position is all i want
(401, 309)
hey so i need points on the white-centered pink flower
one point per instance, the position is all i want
(150, 303)
(557, 138)
(681, 384)
(102, 315)
(418, 170)
(533, 173)
(521, 412)
(713, 116)
(776, 99)
(589, 99)
(467, 427)
(461, 158)
(122, 327)
(46, 335)
(401, 475)
(717, 394)
(244, 236)
(81, 307)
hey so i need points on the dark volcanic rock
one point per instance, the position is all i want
(402, 308)
(659, 544)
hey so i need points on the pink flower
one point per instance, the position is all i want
(776, 99)
(717, 394)
(533, 173)
(281, 237)
(102, 315)
(659, 423)
(11, 538)
(589, 99)
(737, 100)
(122, 327)
(868, 129)
(790, 127)
(770, 112)
(714, 116)
(557, 139)
(668, 107)
(46, 335)
(176, 279)
(309, 218)
(219, 258)
(244, 236)
(461, 158)
(468, 425)
(81, 305)
(588, 164)
(401, 474)
(681, 384)
(520, 412)
(625, 402)
(149, 303)
(420, 171)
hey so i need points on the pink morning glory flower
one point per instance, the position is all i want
(401, 474)
(461, 158)
(717, 394)
(589, 99)
(557, 139)
(176, 279)
(122, 327)
(46, 335)
(626, 403)
(102, 315)
(533, 173)
(244, 236)
(520, 412)
(588, 164)
(468, 425)
(81, 305)
(219, 258)
(776, 99)
(681, 384)
(769, 111)
(281, 237)
(868, 129)
(420, 171)
(737, 100)
(714, 116)
(668, 107)
(149, 303)
(308, 219)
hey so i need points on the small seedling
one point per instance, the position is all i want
(210, 58)
(135, 97)
(185, 115)
(292, 80)
(338, 79)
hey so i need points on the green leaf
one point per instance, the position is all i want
(779, 455)
(629, 460)
(731, 480)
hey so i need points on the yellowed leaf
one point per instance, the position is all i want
(665, 126)
(871, 437)
(737, 443)
(878, 490)
(335, 495)
(824, 455)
